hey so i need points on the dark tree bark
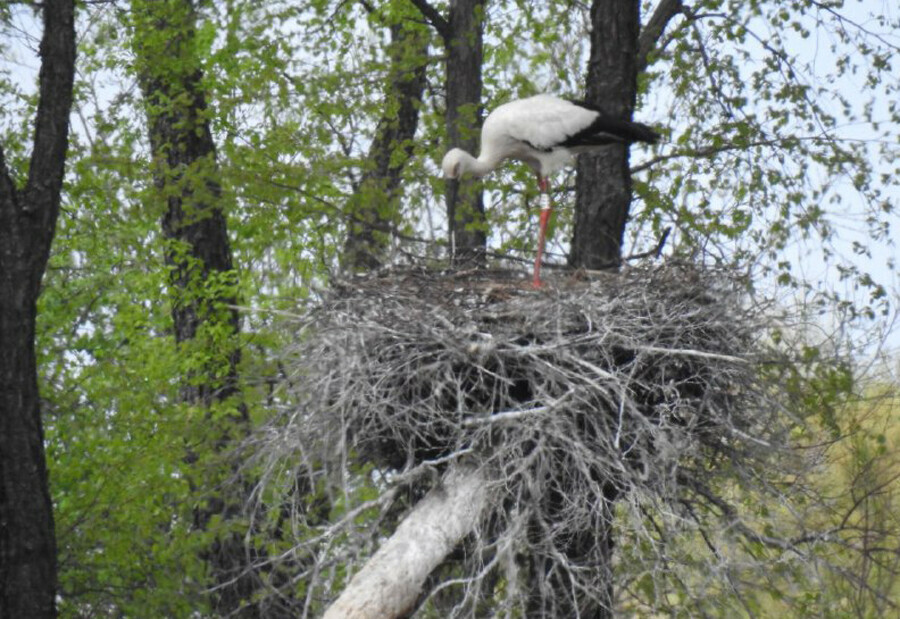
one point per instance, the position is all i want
(187, 177)
(603, 183)
(373, 209)
(463, 34)
(603, 199)
(619, 51)
(198, 255)
(27, 224)
(465, 56)
(194, 224)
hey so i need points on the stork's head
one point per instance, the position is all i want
(458, 162)
(454, 163)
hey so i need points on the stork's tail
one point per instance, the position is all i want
(623, 130)
(607, 129)
(639, 132)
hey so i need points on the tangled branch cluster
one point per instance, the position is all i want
(632, 384)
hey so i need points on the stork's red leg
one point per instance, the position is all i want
(546, 210)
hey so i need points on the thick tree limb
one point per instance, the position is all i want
(653, 30)
(391, 582)
(51, 133)
(433, 16)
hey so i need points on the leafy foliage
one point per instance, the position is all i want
(781, 157)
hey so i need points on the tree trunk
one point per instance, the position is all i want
(390, 583)
(374, 208)
(465, 55)
(27, 224)
(27, 541)
(603, 183)
(198, 253)
(602, 202)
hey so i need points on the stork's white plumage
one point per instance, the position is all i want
(545, 132)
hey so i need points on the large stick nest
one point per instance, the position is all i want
(644, 369)
(640, 382)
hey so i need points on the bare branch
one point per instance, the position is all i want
(693, 353)
(704, 152)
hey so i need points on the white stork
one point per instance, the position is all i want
(545, 132)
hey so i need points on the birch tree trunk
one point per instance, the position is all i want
(391, 581)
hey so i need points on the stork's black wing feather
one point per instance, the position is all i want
(608, 130)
